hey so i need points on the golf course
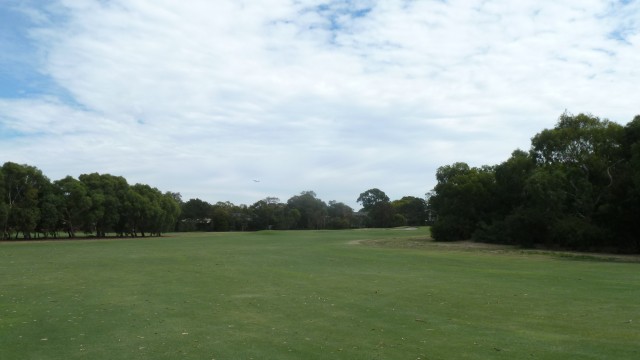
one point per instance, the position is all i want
(347, 294)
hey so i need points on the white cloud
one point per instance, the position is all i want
(202, 97)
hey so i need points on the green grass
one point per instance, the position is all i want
(310, 295)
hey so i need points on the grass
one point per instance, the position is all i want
(310, 295)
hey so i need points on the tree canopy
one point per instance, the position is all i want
(95, 204)
(576, 188)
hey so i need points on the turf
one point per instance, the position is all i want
(310, 295)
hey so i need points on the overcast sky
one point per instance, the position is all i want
(203, 97)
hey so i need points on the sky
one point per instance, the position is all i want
(203, 97)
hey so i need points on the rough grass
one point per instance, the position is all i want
(311, 295)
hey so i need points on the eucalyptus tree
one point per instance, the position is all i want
(584, 154)
(171, 212)
(372, 197)
(463, 199)
(311, 210)
(267, 214)
(21, 187)
(4, 206)
(625, 203)
(151, 212)
(50, 205)
(108, 193)
(340, 215)
(195, 216)
(412, 209)
(221, 216)
(510, 221)
(377, 207)
(75, 203)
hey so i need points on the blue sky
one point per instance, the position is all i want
(337, 97)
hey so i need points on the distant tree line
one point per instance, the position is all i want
(578, 187)
(33, 206)
(302, 212)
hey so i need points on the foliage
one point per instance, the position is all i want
(32, 205)
(412, 209)
(462, 200)
(576, 188)
(378, 208)
(313, 211)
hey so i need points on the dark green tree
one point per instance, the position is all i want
(377, 207)
(50, 204)
(340, 215)
(412, 209)
(196, 216)
(372, 197)
(463, 200)
(75, 204)
(584, 153)
(268, 214)
(4, 207)
(311, 209)
(108, 194)
(22, 185)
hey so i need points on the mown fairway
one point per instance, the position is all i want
(310, 295)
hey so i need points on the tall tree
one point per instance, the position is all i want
(22, 184)
(312, 210)
(267, 214)
(108, 194)
(74, 205)
(340, 215)
(372, 197)
(4, 206)
(375, 203)
(171, 212)
(196, 216)
(412, 208)
(463, 200)
(49, 203)
(585, 152)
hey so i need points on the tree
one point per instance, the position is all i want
(4, 207)
(196, 216)
(463, 199)
(372, 197)
(340, 215)
(22, 185)
(412, 209)
(267, 214)
(511, 177)
(375, 203)
(152, 212)
(624, 203)
(171, 211)
(312, 211)
(576, 188)
(586, 155)
(108, 195)
(509, 223)
(74, 205)
(50, 217)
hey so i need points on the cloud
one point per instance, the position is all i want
(331, 96)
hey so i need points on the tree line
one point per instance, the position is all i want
(32, 206)
(578, 187)
(304, 211)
